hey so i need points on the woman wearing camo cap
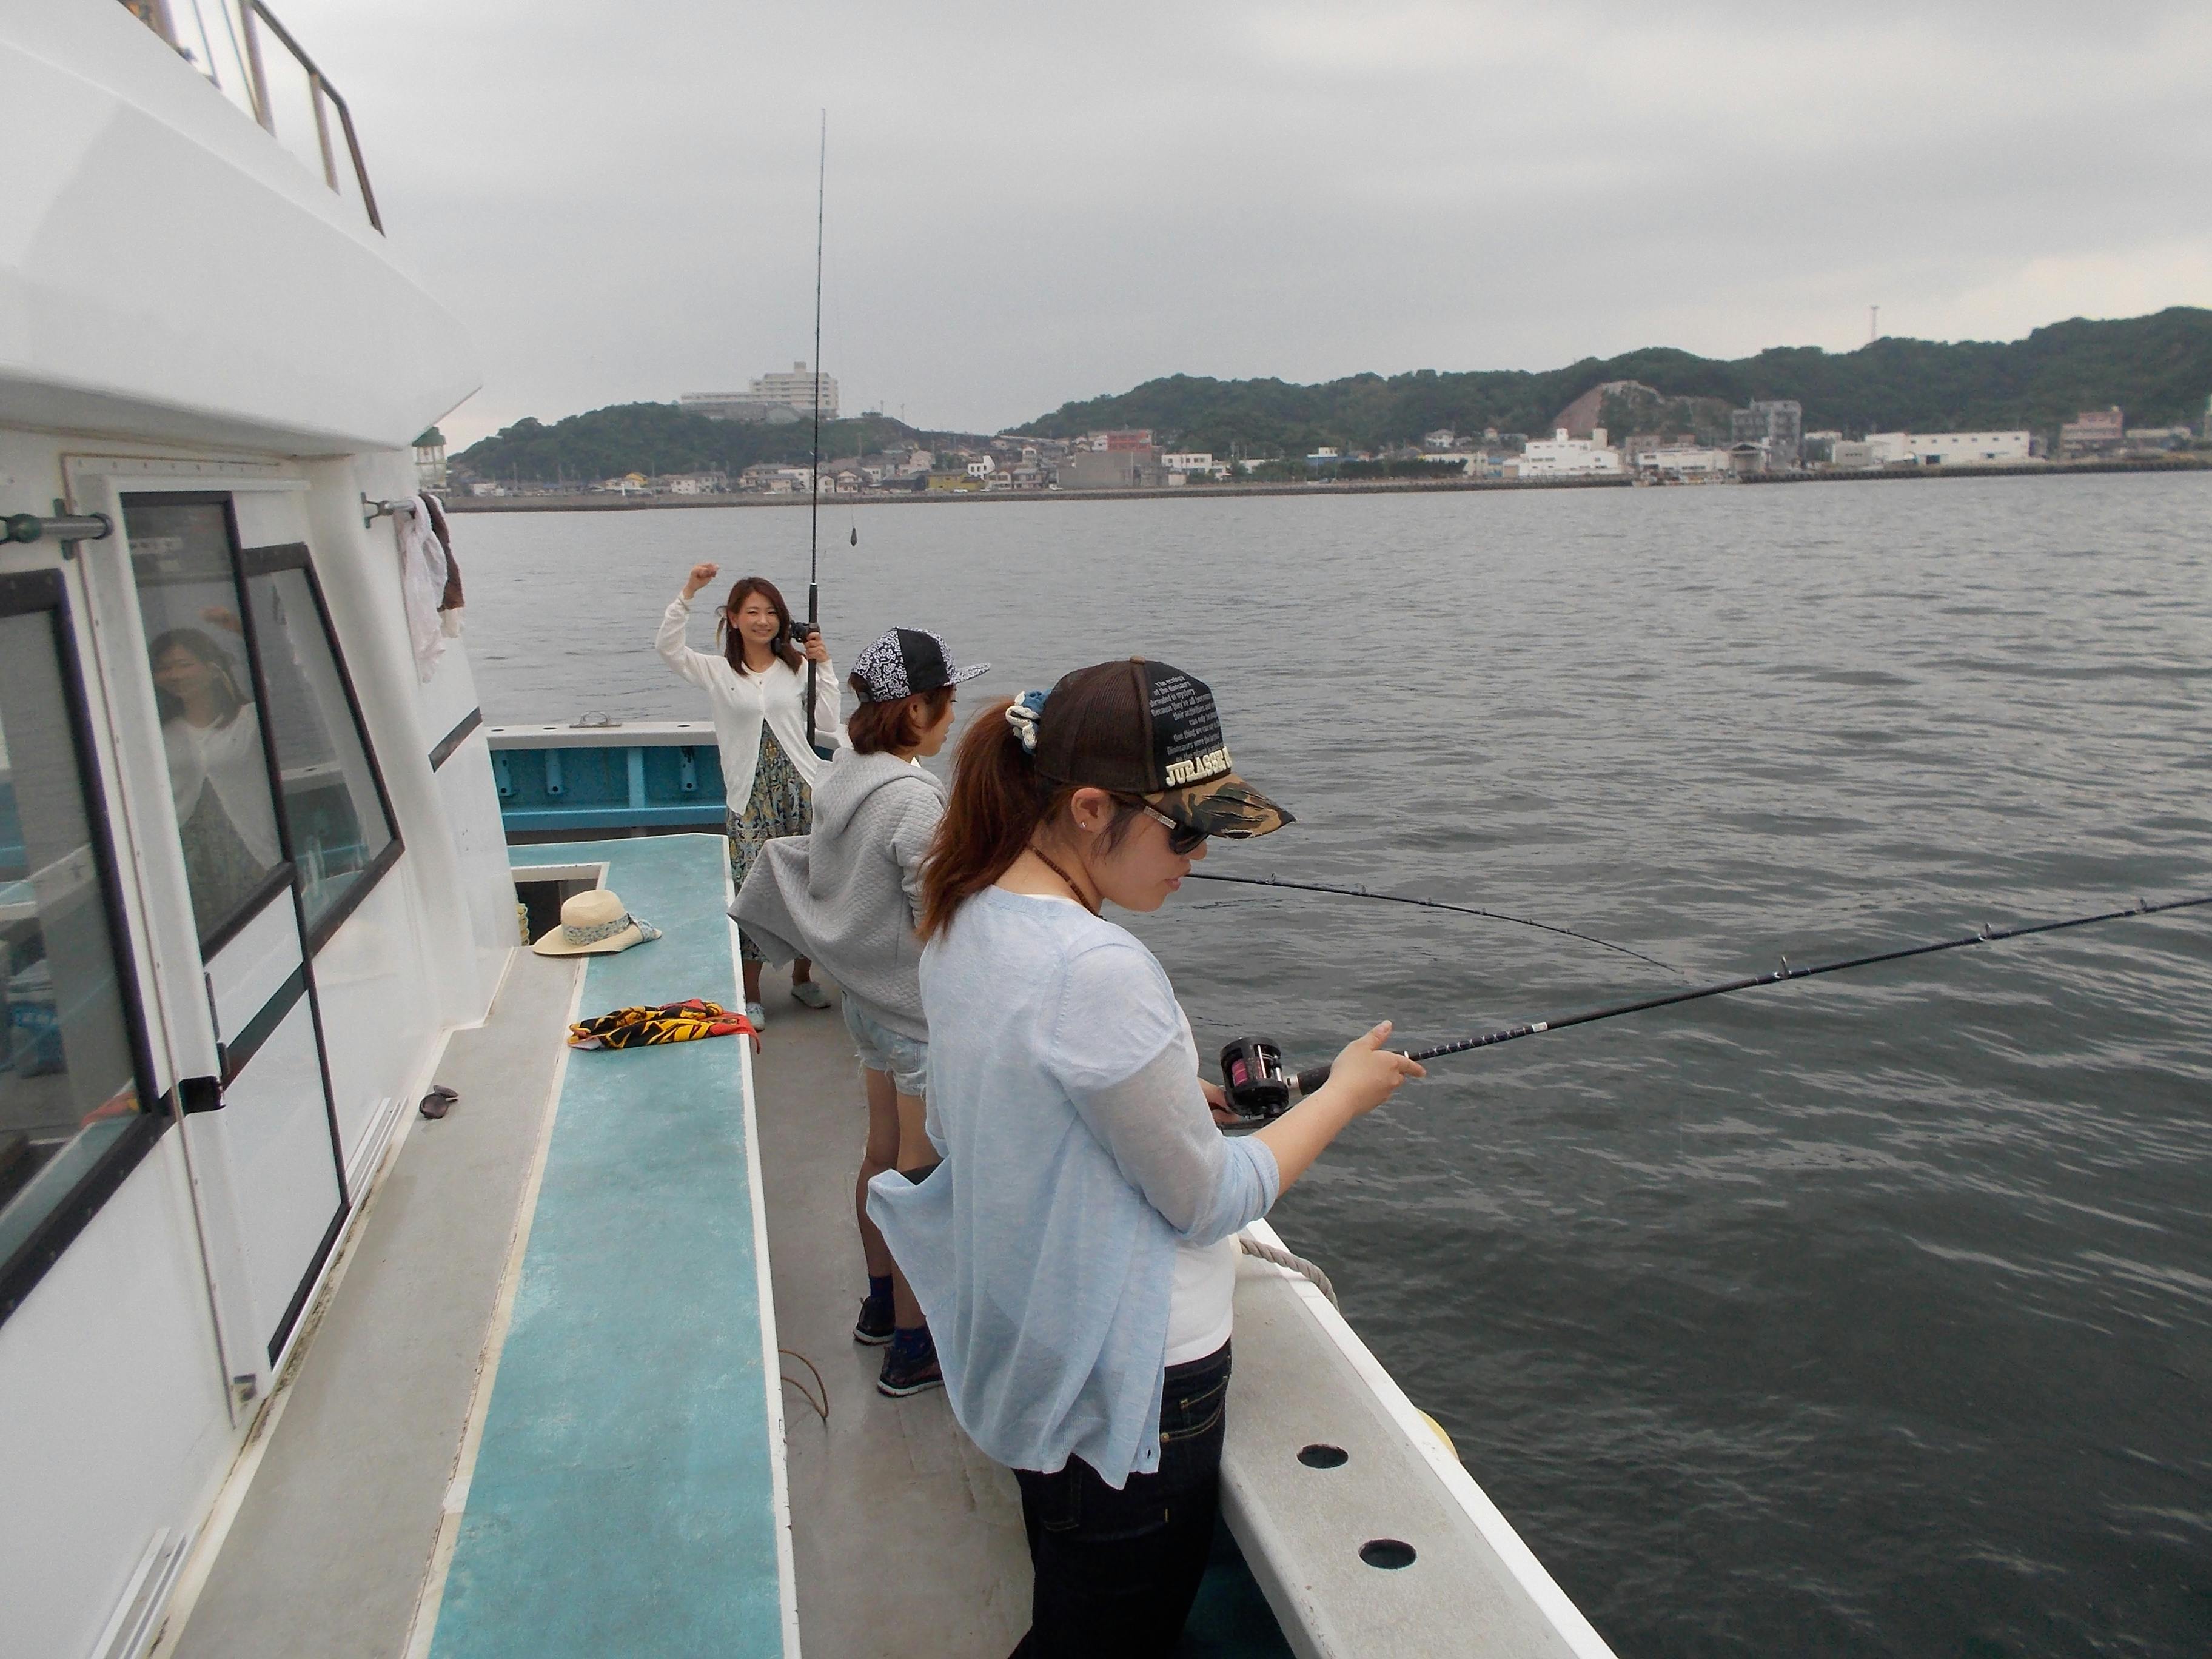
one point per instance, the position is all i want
(1075, 1248)
(846, 895)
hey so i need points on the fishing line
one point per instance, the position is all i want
(1252, 1068)
(1429, 904)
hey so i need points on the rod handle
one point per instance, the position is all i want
(1311, 1078)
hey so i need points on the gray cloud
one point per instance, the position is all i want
(1030, 205)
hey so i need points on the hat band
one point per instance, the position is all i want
(596, 931)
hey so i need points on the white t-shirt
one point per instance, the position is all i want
(229, 760)
(1203, 1304)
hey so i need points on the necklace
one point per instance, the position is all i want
(1073, 886)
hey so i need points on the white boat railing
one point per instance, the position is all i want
(230, 54)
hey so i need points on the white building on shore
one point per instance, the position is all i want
(1561, 457)
(796, 390)
(1947, 448)
(1682, 461)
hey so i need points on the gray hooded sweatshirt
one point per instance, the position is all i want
(846, 895)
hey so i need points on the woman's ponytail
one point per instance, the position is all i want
(997, 802)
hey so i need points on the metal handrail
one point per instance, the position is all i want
(251, 15)
(319, 88)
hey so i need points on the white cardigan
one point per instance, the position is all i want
(741, 701)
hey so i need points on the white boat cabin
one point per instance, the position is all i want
(251, 865)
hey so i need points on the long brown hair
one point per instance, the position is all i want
(997, 801)
(733, 643)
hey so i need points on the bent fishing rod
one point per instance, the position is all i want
(1427, 904)
(1258, 1087)
(812, 624)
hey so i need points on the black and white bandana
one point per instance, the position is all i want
(907, 660)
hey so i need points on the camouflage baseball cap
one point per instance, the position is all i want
(1148, 729)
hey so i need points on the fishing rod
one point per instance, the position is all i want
(1427, 904)
(814, 510)
(1257, 1086)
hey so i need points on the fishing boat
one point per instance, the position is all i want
(344, 1307)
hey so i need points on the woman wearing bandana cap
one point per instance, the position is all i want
(1075, 1249)
(846, 895)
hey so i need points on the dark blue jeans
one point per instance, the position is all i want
(1116, 1572)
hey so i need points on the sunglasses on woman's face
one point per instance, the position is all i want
(1182, 840)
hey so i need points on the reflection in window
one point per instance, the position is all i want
(210, 725)
(331, 801)
(68, 1088)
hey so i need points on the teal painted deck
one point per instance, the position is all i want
(623, 1499)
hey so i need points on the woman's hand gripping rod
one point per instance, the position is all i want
(1257, 1086)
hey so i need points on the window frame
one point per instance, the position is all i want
(281, 877)
(253, 562)
(27, 594)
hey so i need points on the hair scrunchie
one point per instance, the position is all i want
(1023, 714)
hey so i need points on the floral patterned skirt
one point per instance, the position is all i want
(780, 804)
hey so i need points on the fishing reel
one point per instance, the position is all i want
(1253, 1078)
(801, 632)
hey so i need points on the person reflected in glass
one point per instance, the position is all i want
(218, 770)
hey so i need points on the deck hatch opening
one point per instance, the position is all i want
(542, 900)
(1321, 1456)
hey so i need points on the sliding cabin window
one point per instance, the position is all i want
(74, 1100)
(337, 818)
(184, 563)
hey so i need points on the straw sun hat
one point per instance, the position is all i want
(594, 924)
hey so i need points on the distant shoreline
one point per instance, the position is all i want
(604, 504)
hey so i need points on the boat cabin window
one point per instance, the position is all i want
(181, 556)
(250, 686)
(71, 1107)
(341, 834)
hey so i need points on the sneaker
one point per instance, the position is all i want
(757, 1014)
(910, 1368)
(812, 995)
(875, 1325)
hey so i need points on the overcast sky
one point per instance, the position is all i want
(1035, 202)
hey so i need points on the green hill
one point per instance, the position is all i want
(655, 438)
(2158, 368)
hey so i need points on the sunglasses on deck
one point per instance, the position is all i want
(1182, 838)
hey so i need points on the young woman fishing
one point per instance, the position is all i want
(847, 895)
(757, 691)
(1075, 1250)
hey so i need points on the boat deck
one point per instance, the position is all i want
(541, 1413)
(538, 1415)
(908, 1539)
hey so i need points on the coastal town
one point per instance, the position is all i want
(1618, 432)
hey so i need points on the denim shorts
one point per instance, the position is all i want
(882, 1049)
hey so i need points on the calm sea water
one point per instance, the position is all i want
(1870, 1315)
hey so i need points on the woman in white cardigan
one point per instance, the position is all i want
(757, 688)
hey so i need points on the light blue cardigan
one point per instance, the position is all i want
(1078, 1150)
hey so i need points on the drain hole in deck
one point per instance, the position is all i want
(1318, 1457)
(1386, 1552)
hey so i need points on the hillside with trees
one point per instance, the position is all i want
(2158, 368)
(660, 438)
